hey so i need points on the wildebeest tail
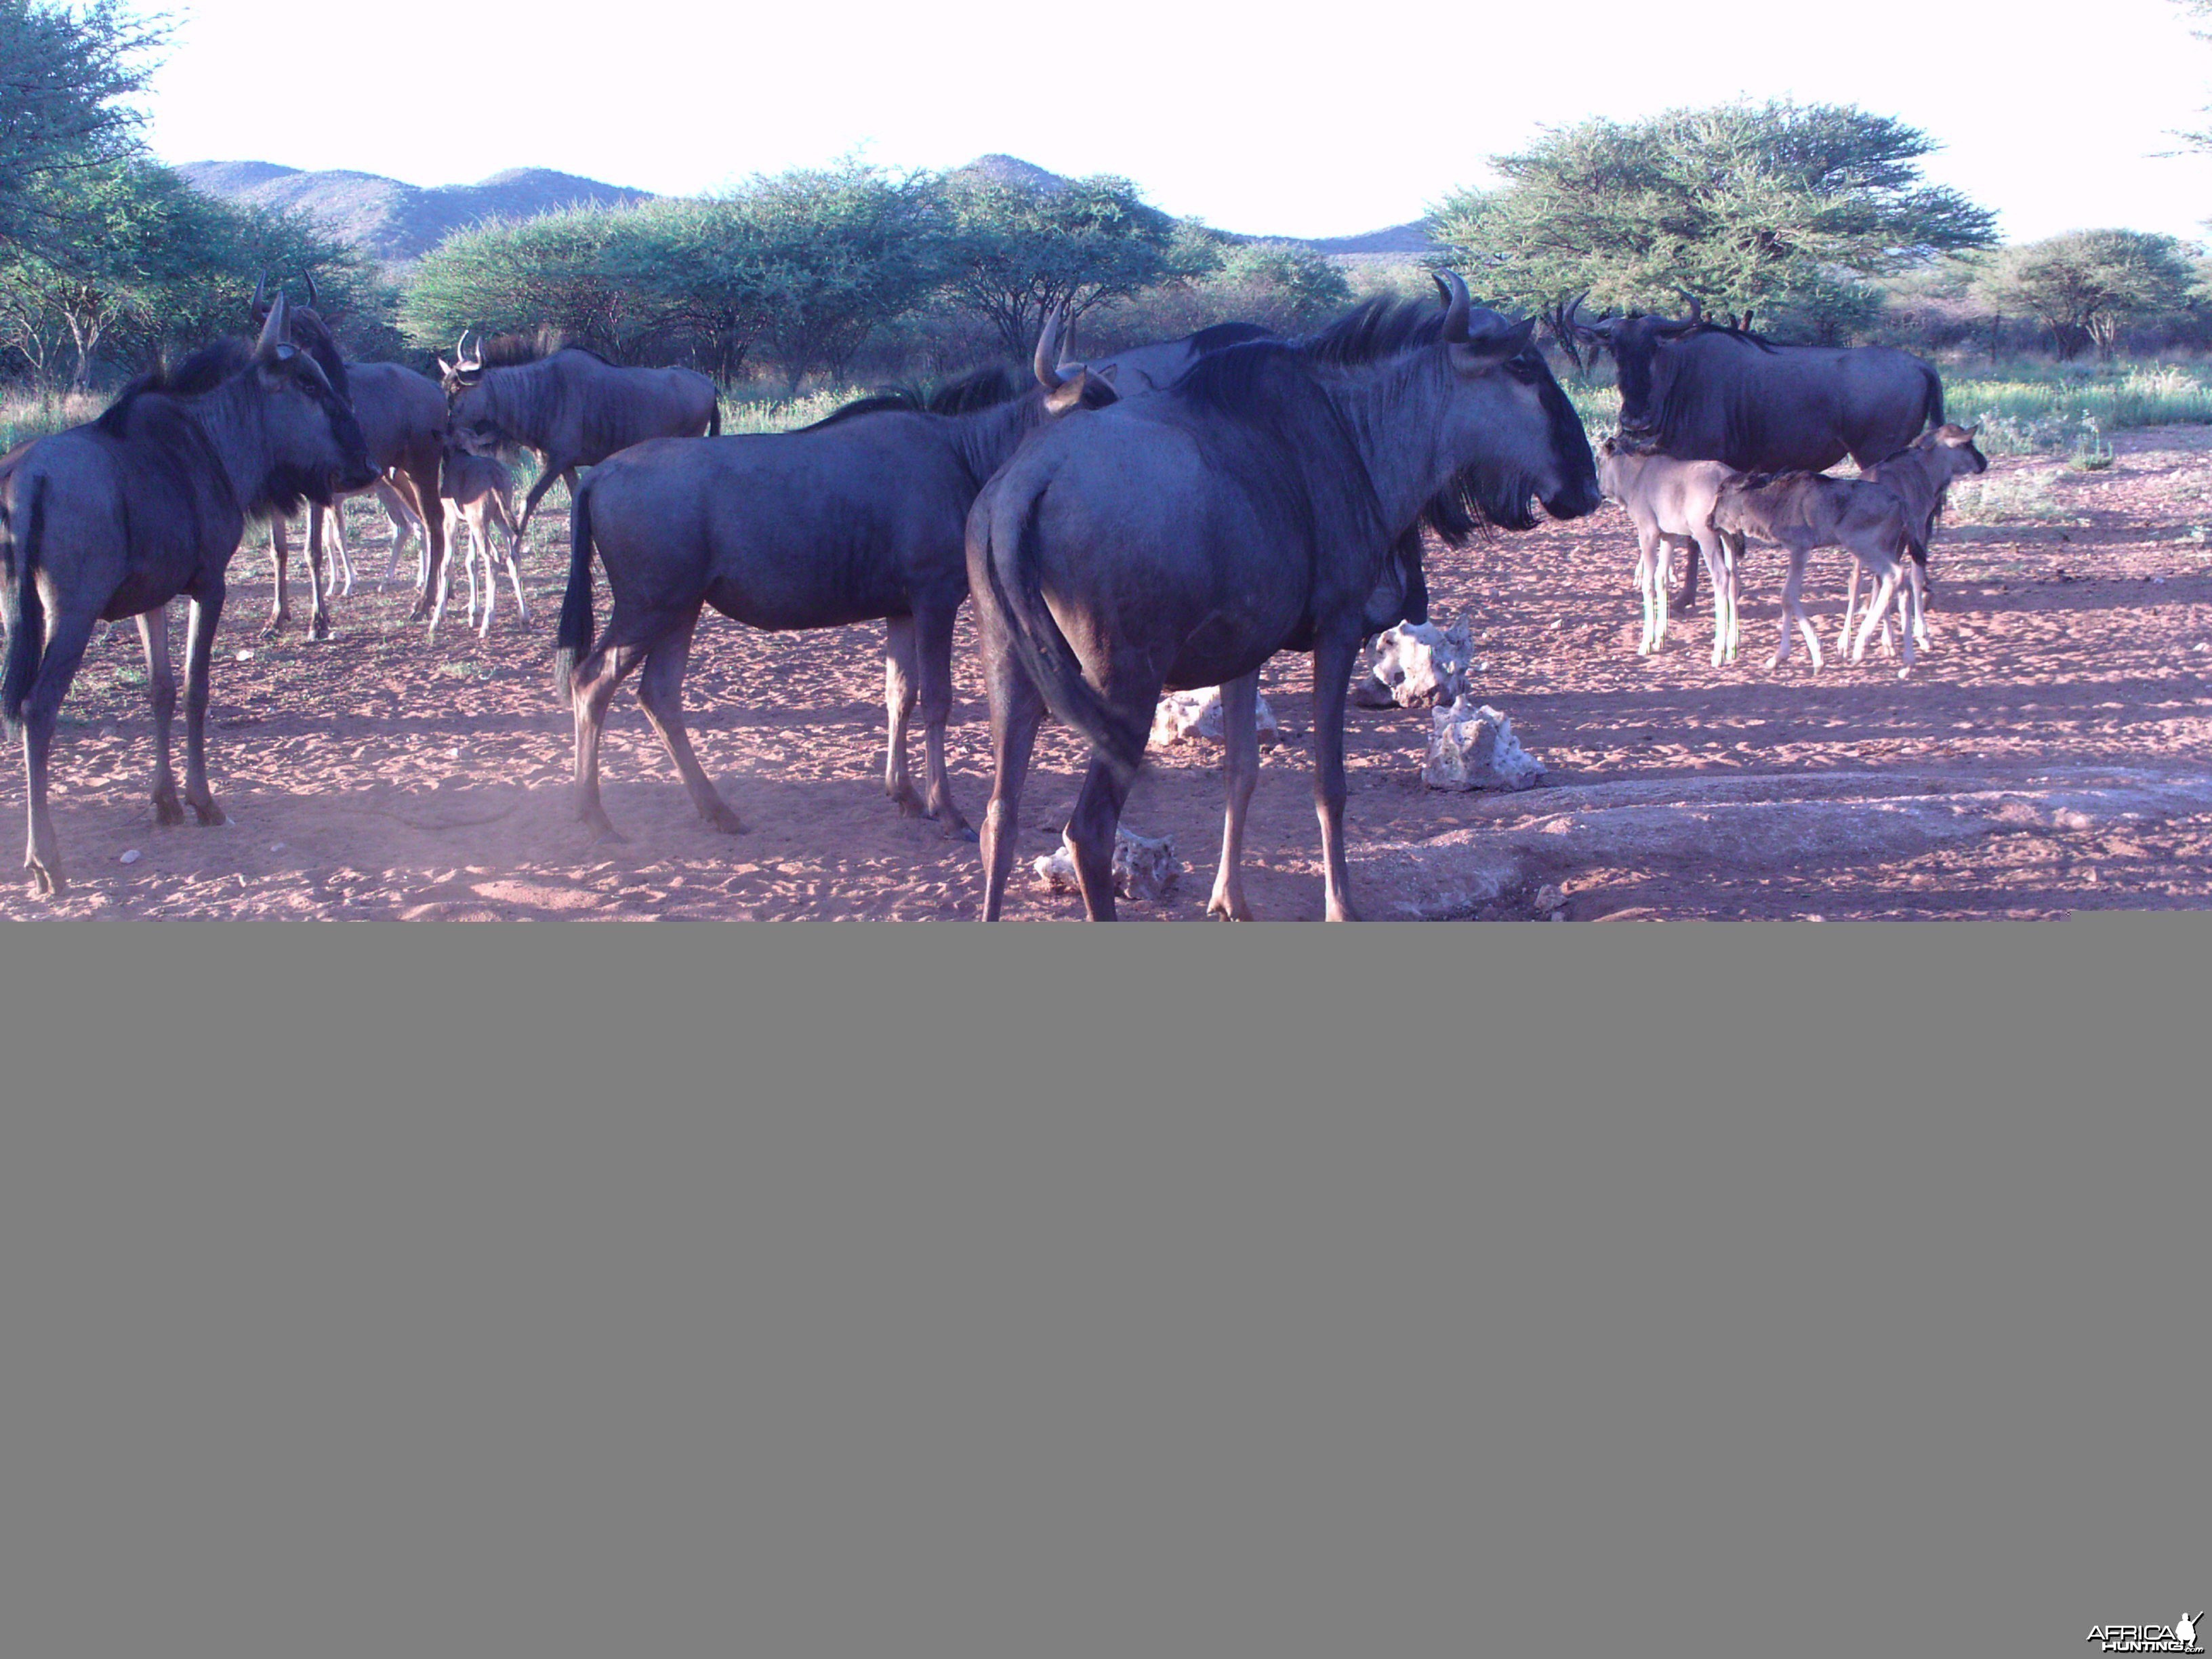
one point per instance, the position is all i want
(715, 418)
(1931, 411)
(25, 615)
(574, 640)
(1049, 659)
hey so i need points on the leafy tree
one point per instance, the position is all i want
(842, 250)
(1759, 208)
(63, 72)
(1019, 248)
(2086, 286)
(704, 263)
(562, 270)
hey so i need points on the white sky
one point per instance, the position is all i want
(1252, 120)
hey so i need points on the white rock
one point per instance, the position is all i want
(1474, 748)
(1144, 868)
(1184, 715)
(1551, 896)
(1418, 666)
(130, 857)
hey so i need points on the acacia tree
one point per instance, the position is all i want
(1020, 247)
(566, 271)
(2086, 286)
(1759, 208)
(64, 73)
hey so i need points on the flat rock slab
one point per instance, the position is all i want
(1749, 824)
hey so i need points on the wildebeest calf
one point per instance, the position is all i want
(1920, 475)
(1805, 510)
(479, 496)
(1671, 504)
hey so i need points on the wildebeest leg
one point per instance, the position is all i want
(1688, 598)
(1793, 610)
(932, 625)
(1240, 770)
(1877, 613)
(514, 576)
(1851, 608)
(340, 553)
(67, 636)
(1090, 832)
(1715, 562)
(899, 695)
(567, 474)
(162, 692)
(199, 653)
(319, 615)
(279, 555)
(1017, 711)
(1652, 558)
(592, 688)
(1332, 659)
(437, 575)
(660, 689)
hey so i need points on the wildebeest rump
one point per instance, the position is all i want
(1181, 539)
(115, 518)
(571, 406)
(1920, 474)
(856, 517)
(1149, 367)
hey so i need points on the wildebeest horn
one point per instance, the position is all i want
(313, 298)
(1046, 361)
(260, 304)
(276, 332)
(1456, 304)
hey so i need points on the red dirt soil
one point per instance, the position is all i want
(379, 775)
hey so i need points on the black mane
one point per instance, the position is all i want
(517, 350)
(1213, 338)
(986, 388)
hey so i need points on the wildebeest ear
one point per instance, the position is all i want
(1110, 373)
(444, 368)
(1486, 351)
(1068, 394)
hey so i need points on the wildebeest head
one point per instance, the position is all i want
(315, 445)
(1968, 457)
(469, 421)
(1512, 417)
(1634, 341)
(308, 330)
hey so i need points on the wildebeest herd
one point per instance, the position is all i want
(1167, 519)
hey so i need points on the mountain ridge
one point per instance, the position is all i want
(396, 222)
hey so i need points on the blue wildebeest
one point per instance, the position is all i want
(115, 518)
(568, 404)
(1699, 392)
(1670, 503)
(479, 496)
(1920, 475)
(1802, 511)
(401, 419)
(857, 516)
(1181, 539)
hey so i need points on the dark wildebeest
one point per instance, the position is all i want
(1802, 511)
(1920, 475)
(479, 494)
(1699, 392)
(856, 517)
(115, 518)
(570, 405)
(1181, 539)
(403, 417)
(1670, 503)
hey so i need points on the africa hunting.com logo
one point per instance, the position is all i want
(2180, 1636)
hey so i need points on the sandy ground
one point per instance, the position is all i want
(2052, 753)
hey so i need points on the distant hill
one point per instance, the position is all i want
(393, 220)
(398, 221)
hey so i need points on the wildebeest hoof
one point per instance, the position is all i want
(211, 816)
(269, 629)
(167, 808)
(960, 830)
(1227, 910)
(725, 821)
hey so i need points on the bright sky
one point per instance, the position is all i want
(1273, 125)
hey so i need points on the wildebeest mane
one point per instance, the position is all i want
(513, 350)
(985, 388)
(1217, 334)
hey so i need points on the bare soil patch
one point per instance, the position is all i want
(2051, 752)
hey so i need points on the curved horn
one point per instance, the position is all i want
(259, 306)
(1046, 361)
(1456, 304)
(1682, 324)
(313, 298)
